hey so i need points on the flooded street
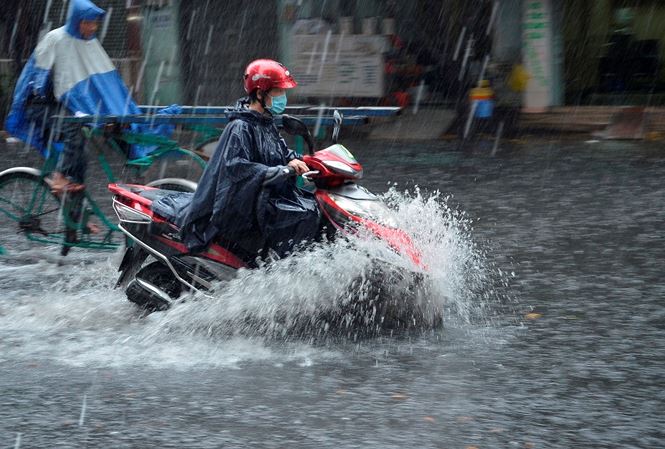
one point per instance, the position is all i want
(548, 267)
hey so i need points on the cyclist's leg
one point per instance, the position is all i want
(73, 163)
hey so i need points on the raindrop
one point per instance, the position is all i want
(158, 80)
(128, 100)
(105, 26)
(498, 138)
(459, 43)
(319, 117)
(198, 94)
(210, 30)
(98, 111)
(324, 55)
(47, 11)
(311, 58)
(169, 69)
(495, 8)
(467, 53)
(339, 46)
(242, 25)
(31, 132)
(139, 78)
(44, 121)
(86, 90)
(419, 96)
(469, 119)
(484, 69)
(17, 444)
(45, 29)
(191, 23)
(83, 407)
(48, 143)
(62, 11)
(13, 37)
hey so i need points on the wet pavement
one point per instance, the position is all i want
(549, 266)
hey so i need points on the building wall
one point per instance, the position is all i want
(508, 34)
(649, 23)
(588, 27)
(218, 40)
(161, 83)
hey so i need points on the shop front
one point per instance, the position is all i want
(615, 51)
(386, 52)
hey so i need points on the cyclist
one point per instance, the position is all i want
(69, 73)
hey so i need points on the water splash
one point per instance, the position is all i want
(67, 309)
(458, 269)
(351, 287)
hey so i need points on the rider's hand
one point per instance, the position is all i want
(299, 166)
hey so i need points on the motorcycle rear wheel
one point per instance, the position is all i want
(141, 291)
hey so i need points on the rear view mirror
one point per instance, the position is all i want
(338, 118)
(294, 126)
(297, 127)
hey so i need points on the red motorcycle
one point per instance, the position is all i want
(347, 209)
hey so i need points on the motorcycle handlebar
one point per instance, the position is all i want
(306, 175)
(275, 175)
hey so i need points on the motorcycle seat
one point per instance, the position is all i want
(155, 194)
(168, 205)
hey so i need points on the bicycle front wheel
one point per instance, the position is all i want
(28, 207)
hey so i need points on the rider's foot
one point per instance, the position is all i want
(93, 228)
(60, 184)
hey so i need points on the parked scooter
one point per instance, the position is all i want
(346, 208)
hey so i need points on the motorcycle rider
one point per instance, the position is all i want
(231, 200)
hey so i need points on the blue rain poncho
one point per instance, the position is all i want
(77, 72)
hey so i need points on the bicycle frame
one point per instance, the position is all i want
(203, 121)
(89, 207)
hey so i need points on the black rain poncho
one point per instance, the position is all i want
(231, 201)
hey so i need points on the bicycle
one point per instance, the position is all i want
(43, 217)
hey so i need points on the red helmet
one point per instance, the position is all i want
(264, 74)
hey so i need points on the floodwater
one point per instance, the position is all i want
(547, 261)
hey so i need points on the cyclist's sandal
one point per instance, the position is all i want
(59, 184)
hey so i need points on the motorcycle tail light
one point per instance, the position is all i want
(129, 214)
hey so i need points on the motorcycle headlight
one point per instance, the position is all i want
(373, 210)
